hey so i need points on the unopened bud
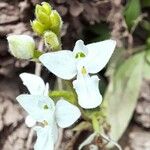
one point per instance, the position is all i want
(37, 27)
(46, 8)
(46, 20)
(43, 18)
(56, 22)
(51, 40)
(21, 46)
(42, 13)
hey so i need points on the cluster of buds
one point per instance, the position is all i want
(46, 19)
(48, 24)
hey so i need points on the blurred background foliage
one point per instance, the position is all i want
(124, 79)
(129, 65)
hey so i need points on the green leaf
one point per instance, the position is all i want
(101, 28)
(146, 25)
(131, 12)
(146, 67)
(99, 31)
(147, 56)
(145, 3)
(115, 61)
(122, 94)
(146, 70)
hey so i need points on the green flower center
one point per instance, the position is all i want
(45, 107)
(80, 55)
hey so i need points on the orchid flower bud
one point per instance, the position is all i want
(42, 13)
(56, 22)
(21, 46)
(45, 8)
(51, 40)
(46, 19)
(37, 27)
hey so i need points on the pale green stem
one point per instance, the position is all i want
(95, 124)
(110, 140)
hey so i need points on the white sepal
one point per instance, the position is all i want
(34, 83)
(61, 63)
(99, 54)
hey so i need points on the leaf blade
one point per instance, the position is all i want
(122, 94)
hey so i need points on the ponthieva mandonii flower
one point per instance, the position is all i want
(84, 60)
(47, 115)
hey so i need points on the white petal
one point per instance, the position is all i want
(45, 140)
(34, 105)
(30, 122)
(88, 91)
(80, 47)
(61, 63)
(99, 54)
(66, 113)
(34, 83)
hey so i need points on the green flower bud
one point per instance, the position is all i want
(51, 40)
(21, 46)
(46, 19)
(37, 27)
(42, 13)
(46, 8)
(43, 18)
(56, 22)
(37, 8)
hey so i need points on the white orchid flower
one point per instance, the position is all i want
(93, 57)
(42, 109)
(83, 60)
